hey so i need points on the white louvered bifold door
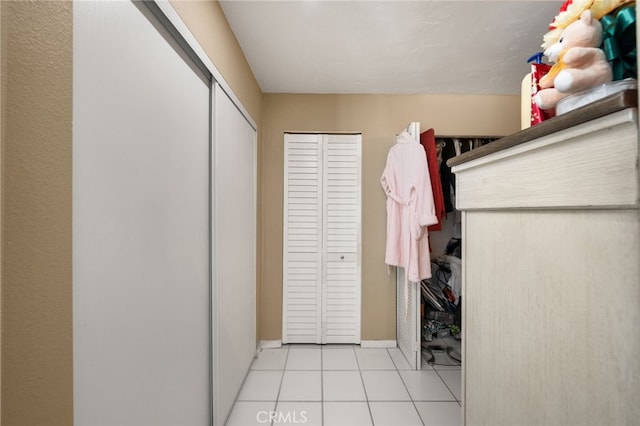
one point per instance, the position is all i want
(341, 280)
(408, 302)
(302, 266)
(408, 319)
(321, 259)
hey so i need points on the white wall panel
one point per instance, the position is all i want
(140, 223)
(234, 253)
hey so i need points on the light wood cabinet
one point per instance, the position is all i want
(551, 270)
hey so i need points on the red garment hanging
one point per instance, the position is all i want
(428, 141)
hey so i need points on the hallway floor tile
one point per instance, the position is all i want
(345, 385)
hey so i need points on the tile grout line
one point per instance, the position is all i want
(354, 352)
(407, 389)
(307, 370)
(446, 385)
(364, 388)
(321, 385)
(447, 368)
(284, 368)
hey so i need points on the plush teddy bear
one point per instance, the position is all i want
(579, 62)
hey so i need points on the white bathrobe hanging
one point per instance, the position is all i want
(410, 208)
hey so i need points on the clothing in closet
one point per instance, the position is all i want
(410, 208)
(447, 178)
(428, 142)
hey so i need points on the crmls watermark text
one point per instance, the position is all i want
(282, 417)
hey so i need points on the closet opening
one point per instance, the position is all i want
(420, 190)
(441, 298)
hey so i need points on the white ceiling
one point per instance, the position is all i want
(389, 47)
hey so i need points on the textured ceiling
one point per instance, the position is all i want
(390, 47)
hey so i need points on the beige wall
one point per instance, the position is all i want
(379, 118)
(37, 370)
(2, 138)
(208, 24)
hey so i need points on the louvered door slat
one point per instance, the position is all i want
(341, 286)
(302, 255)
(407, 297)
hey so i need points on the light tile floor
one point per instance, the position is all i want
(346, 385)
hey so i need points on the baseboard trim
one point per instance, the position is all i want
(384, 344)
(380, 344)
(270, 344)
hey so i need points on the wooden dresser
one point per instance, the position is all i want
(551, 266)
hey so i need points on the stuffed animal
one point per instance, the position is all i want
(579, 62)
